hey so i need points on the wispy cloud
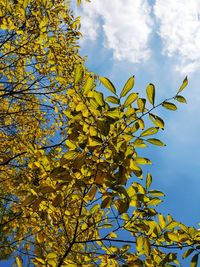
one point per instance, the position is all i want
(179, 29)
(125, 25)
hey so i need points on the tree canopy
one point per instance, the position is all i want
(72, 188)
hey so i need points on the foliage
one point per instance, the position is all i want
(72, 191)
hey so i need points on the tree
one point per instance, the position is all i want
(73, 192)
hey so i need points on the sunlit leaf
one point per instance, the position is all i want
(108, 84)
(149, 131)
(70, 154)
(18, 261)
(169, 105)
(148, 180)
(150, 90)
(155, 141)
(181, 99)
(141, 104)
(154, 202)
(139, 160)
(112, 99)
(184, 84)
(130, 99)
(88, 84)
(156, 193)
(128, 86)
(157, 120)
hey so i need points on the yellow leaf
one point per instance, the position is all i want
(112, 235)
(154, 202)
(70, 154)
(112, 99)
(173, 237)
(88, 84)
(157, 120)
(108, 84)
(162, 221)
(184, 84)
(142, 161)
(141, 104)
(147, 246)
(99, 98)
(148, 180)
(155, 141)
(150, 90)
(78, 74)
(139, 244)
(18, 261)
(51, 255)
(150, 131)
(169, 105)
(130, 99)
(128, 86)
(181, 99)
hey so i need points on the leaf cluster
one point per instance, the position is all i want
(71, 163)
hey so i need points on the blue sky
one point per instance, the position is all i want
(159, 42)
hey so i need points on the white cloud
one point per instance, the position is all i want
(180, 31)
(125, 24)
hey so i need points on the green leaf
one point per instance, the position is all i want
(150, 131)
(128, 86)
(194, 260)
(112, 99)
(130, 99)
(148, 180)
(169, 105)
(157, 120)
(150, 90)
(184, 84)
(181, 99)
(155, 141)
(108, 84)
